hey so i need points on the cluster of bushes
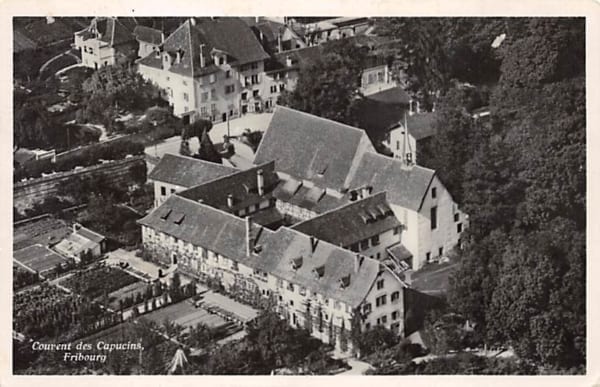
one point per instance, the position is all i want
(22, 278)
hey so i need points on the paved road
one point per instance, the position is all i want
(236, 127)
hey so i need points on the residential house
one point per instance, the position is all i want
(314, 284)
(336, 28)
(276, 36)
(211, 69)
(338, 162)
(80, 242)
(175, 173)
(149, 40)
(106, 41)
(405, 144)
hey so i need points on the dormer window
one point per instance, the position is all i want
(178, 218)
(319, 271)
(296, 263)
(345, 281)
(165, 214)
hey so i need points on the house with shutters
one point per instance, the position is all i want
(106, 41)
(325, 164)
(209, 231)
(210, 69)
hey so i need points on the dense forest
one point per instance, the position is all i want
(521, 177)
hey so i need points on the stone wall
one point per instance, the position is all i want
(27, 193)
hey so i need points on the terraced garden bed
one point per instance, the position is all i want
(98, 281)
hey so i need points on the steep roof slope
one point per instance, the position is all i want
(313, 148)
(406, 186)
(187, 171)
(353, 222)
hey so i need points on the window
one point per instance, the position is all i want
(384, 319)
(212, 78)
(228, 74)
(255, 93)
(213, 94)
(433, 218)
(184, 83)
(213, 107)
(395, 327)
(244, 96)
(381, 300)
(398, 145)
(281, 87)
(367, 326)
(354, 247)
(380, 284)
(441, 251)
(229, 89)
(428, 256)
(456, 217)
(186, 97)
(255, 79)
(292, 304)
(367, 308)
(254, 66)
(273, 89)
(364, 244)
(163, 191)
(172, 190)
(186, 109)
(375, 240)
(395, 296)
(203, 110)
(459, 228)
(290, 287)
(396, 230)
(204, 96)
(433, 193)
(395, 315)
(380, 76)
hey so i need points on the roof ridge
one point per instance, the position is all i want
(323, 119)
(236, 171)
(199, 160)
(342, 207)
(399, 161)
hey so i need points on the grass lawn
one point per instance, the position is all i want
(38, 258)
(434, 278)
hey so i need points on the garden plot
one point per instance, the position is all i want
(45, 231)
(99, 281)
(127, 291)
(38, 258)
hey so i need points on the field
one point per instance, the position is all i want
(38, 258)
(45, 231)
(48, 312)
(97, 281)
(186, 315)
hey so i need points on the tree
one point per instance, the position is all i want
(207, 150)
(184, 149)
(329, 86)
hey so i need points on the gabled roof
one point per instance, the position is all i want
(312, 148)
(90, 235)
(187, 171)
(421, 125)
(353, 222)
(148, 35)
(313, 199)
(230, 35)
(225, 234)
(405, 186)
(394, 95)
(116, 31)
(242, 186)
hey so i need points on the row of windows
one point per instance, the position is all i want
(163, 190)
(274, 88)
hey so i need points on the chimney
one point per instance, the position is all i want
(249, 239)
(288, 61)
(178, 57)
(162, 37)
(202, 62)
(260, 182)
(358, 260)
(410, 107)
(230, 201)
(313, 244)
(192, 21)
(418, 107)
(366, 191)
(257, 19)
(279, 49)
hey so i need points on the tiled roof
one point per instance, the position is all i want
(313, 148)
(399, 252)
(405, 186)
(230, 35)
(421, 125)
(242, 186)
(148, 34)
(90, 235)
(114, 31)
(225, 234)
(187, 171)
(352, 223)
(394, 95)
(313, 199)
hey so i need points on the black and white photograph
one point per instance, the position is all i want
(299, 195)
